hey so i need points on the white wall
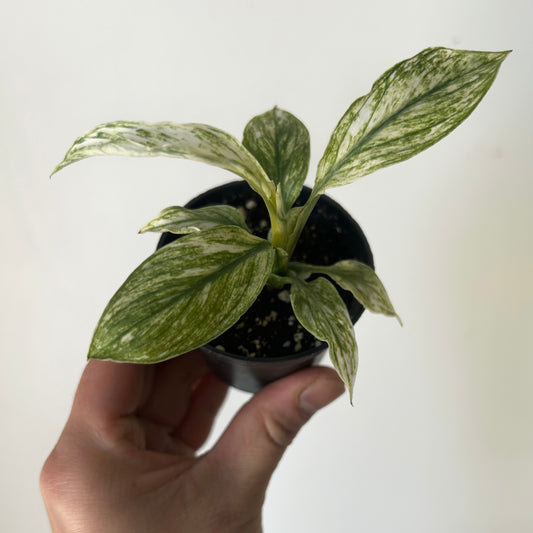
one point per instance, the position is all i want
(441, 435)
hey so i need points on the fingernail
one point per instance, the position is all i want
(319, 394)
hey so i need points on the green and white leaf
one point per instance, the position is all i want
(410, 107)
(280, 142)
(359, 279)
(181, 220)
(183, 296)
(198, 142)
(319, 308)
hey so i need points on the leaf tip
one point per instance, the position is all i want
(350, 386)
(502, 56)
(351, 396)
(56, 170)
(148, 227)
(61, 166)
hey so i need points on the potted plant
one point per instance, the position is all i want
(196, 288)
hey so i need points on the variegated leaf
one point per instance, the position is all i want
(319, 308)
(280, 142)
(181, 220)
(188, 141)
(412, 106)
(359, 279)
(183, 296)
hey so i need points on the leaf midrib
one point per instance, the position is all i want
(277, 150)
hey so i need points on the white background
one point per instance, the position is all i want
(441, 435)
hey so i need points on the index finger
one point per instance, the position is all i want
(109, 390)
(159, 392)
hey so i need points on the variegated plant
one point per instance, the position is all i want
(189, 292)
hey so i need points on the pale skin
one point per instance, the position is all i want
(127, 458)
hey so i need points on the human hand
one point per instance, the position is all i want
(126, 460)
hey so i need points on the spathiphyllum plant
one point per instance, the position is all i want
(189, 292)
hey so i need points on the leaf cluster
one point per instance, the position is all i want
(189, 292)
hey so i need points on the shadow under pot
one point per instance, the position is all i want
(268, 342)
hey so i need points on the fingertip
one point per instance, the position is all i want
(320, 393)
(319, 380)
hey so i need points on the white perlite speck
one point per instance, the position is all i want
(284, 296)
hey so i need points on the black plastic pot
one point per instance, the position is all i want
(339, 237)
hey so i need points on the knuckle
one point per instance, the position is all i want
(60, 474)
(51, 475)
(281, 429)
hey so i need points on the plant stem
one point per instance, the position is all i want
(281, 263)
(279, 231)
(279, 281)
(300, 222)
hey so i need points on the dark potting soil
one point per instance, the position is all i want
(269, 328)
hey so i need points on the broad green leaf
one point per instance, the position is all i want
(280, 142)
(183, 296)
(181, 220)
(412, 106)
(357, 278)
(188, 141)
(319, 308)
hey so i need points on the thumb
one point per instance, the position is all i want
(254, 442)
